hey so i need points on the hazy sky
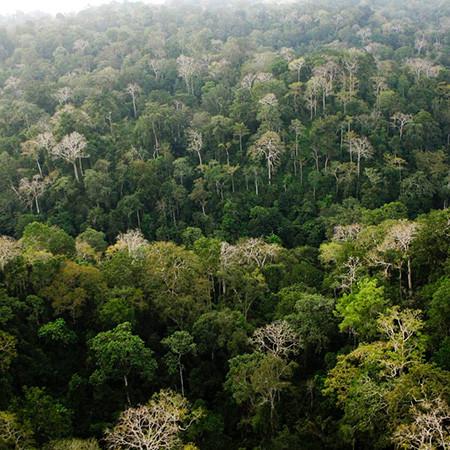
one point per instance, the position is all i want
(51, 6)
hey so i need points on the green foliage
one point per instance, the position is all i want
(38, 237)
(118, 353)
(360, 309)
(179, 177)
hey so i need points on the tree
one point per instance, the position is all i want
(311, 317)
(180, 343)
(30, 190)
(74, 288)
(71, 149)
(155, 426)
(9, 249)
(270, 147)
(195, 143)
(259, 379)
(429, 427)
(13, 433)
(133, 89)
(38, 238)
(187, 69)
(119, 354)
(360, 309)
(297, 65)
(7, 350)
(361, 147)
(400, 120)
(133, 242)
(277, 338)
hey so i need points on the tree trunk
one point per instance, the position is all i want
(75, 170)
(125, 382)
(39, 166)
(134, 105)
(37, 205)
(410, 282)
(180, 369)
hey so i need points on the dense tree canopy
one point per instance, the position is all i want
(225, 226)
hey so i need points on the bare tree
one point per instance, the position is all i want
(400, 120)
(422, 67)
(9, 249)
(297, 65)
(399, 238)
(351, 65)
(46, 141)
(270, 147)
(420, 43)
(31, 149)
(29, 190)
(63, 95)
(401, 328)
(133, 89)
(343, 233)
(252, 251)
(361, 147)
(187, 69)
(195, 143)
(71, 149)
(155, 426)
(277, 338)
(311, 93)
(133, 241)
(429, 428)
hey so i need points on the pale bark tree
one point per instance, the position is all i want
(30, 190)
(80, 45)
(9, 249)
(351, 65)
(46, 141)
(401, 329)
(270, 147)
(422, 68)
(399, 120)
(326, 74)
(352, 267)
(345, 233)
(399, 238)
(298, 129)
(361, 147)
(63, 95)
(71, 149)
(187, 69)
(420, 43)
(287, 53)
(311, 95)
(253, 251)
(277, 338)
(195, 143)
(31, 149)
(296, 66)
(133, 89)
(157, 66)
(155, 426)
(133, 242)
(380, 85)
(429, 428)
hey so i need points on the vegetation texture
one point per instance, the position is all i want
(226, 227)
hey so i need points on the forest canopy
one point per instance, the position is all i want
(226, 226)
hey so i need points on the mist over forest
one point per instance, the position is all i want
(225, 226)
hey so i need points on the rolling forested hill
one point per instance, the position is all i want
(225, 226)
